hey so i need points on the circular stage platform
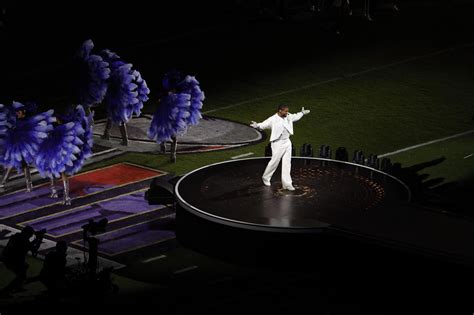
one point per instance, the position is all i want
(211, 134)
(224, 208)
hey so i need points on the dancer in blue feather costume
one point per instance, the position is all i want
(127, 91)
(191, 86)
(21, 134)
(65, 150)
(170, 119)
(179, 107)
(87, 122)
(91, 76)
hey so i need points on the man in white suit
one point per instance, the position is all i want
(281, 125)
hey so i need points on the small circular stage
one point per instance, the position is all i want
(211, 134)
(221, 207)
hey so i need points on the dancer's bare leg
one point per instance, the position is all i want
(174, 146)
(29, 183)
(123, 131)
(66, 198)
(54, 192)
(6, 175)
(108, 126)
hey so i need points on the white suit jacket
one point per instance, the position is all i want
(277, 123)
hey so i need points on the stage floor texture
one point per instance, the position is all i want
(326, 192)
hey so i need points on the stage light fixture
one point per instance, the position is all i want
(358, 157)
(385, 165)
(373, 161)
(342, 154)
(307, 150)
(325, 152)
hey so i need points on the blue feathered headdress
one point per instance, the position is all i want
(68, 145)
(127, 91)
(22, 137)
(191, 86)
(170, 118)
(93, 72)
(179, 108)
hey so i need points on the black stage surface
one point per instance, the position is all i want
(326, 192)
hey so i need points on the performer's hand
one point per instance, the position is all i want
(305, 111)
(254, 124)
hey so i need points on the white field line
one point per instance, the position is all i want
(425, 143)
(242, 155)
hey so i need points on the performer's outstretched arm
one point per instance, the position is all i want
(297, 116)
(266, 124)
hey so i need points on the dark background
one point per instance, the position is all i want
(214, 40)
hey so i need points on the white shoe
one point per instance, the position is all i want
(290, 188)
(266, 183)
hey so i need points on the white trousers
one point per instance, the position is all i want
(281, 150)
